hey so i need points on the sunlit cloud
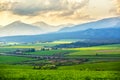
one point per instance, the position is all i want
(118, 7)
(62, 6)
(61, 11)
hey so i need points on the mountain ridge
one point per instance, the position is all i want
(90, 34)
(19, 28)
(104, 23)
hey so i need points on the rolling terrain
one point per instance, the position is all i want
(90, 34)
(109, 26)
(85, 54)
(84, 63)
(19, 28)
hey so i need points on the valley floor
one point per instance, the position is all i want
(58, 75)
(91, 63)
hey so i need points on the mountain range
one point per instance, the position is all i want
(45, 27)
(89, 34)
(20, 28)
(105, 29)
(50, 28)
(104, 23)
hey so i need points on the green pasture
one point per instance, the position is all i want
(101, 66)
(103, 47)
(97, 50)
(50, 52)
(58, 75)
(25, 72)
(2, 50)
(12, 59)
(93, 66)
(90, 51)
(39, 45)
(22, 46)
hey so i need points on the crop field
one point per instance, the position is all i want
(39, 45)
(12, 59)
(93, 71)
(18, 72)
(58, 75)
(100, 66)
(107, 50)
(103, 63)
(51, 52)
(6, 49)
(98, 50)
(103, 47)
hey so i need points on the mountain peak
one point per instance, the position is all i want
(18, 21)
(41, 23)
(0, 26)
(19, 28)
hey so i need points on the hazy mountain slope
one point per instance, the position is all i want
(45, 27)
(104, 23)
(1, 26)
(50, 28)
(91, 34)
(19, 28)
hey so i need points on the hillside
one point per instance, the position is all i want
(45, 27)
(89, 34)
(104, 23)
(19, 28)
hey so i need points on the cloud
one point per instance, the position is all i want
(118, 7)
(57, 11)
(32, 8)
(4, 6)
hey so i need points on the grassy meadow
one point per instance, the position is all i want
(12, 59)
(102, 63)
(58, 75)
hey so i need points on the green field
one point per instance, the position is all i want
(25, 72)
(98, 66)
(103, 64)
(107, 50)
(98, 50)
(6, 49)
(12, 59)
(38, 45)
(58, 75)
(51, 52)
(103, 47)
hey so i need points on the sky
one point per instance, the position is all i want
(56, 12)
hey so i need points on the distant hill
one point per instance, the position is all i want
(45, 27)
(19, 28)
(104, 23)
(87, 43)
(89, 34)
(1, 26)
(50, 28)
